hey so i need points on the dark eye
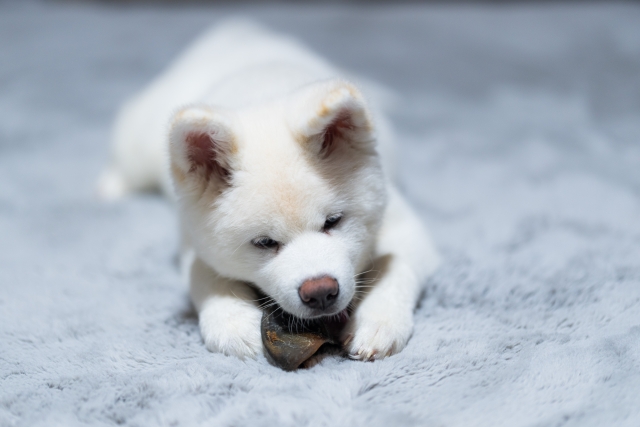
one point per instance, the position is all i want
(265, 243)
(331, 221)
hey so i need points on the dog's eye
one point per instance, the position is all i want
(331, 221)
(265, 243)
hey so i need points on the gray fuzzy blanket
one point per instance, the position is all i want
(519, 143)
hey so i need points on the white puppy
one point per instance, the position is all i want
(275, 168)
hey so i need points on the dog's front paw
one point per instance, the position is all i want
(372, 336)
(232, 329)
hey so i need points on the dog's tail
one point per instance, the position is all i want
(111, 185)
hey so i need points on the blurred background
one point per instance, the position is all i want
(518, 128)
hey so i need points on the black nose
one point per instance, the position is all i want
(319, 293)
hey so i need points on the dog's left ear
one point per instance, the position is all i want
(200, 146)
(331, 115)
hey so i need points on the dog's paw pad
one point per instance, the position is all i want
(374, 340)
(239, 337)
(241, 347)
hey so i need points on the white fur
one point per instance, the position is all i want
(263, 104)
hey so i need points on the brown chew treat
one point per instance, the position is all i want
(289, 342)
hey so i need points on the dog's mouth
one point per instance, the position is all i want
(291, 341)
(314, 315)
(339, 317)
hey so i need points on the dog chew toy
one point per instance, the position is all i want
(290, 342)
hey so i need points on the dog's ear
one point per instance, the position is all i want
(331, 115)
(200, 145)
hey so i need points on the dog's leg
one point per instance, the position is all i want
(228, 314)
(382, 321)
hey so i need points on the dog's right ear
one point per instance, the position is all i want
(327, 116)
(200, 145)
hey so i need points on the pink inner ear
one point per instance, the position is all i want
(335, 131)
(203, 155)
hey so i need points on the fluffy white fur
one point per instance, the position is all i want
(261, 138)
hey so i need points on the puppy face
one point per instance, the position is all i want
(288, 196)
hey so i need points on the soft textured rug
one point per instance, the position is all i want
(519, 143)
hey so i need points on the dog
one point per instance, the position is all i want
(282, 174)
